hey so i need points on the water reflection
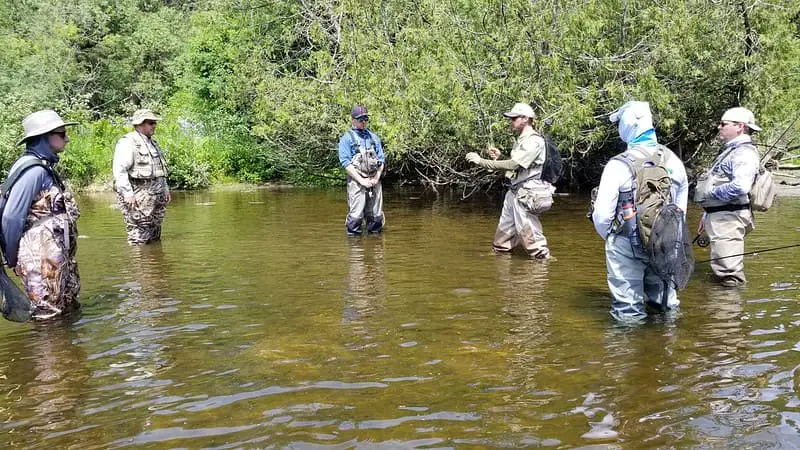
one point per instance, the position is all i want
(366, 280)
(45, 382)
(524, 283)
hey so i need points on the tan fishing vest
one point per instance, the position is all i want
(148, 159)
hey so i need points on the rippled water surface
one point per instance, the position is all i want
(257, 323)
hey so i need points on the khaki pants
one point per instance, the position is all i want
(518, 226)
(726, 230)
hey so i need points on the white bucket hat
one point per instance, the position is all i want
(634, 118)
(42, 122)
(521, 110)
(741, 115)
(143, 114)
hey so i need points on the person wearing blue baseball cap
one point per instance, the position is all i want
(361, 156)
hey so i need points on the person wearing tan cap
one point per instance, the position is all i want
(528, 195)
(723, 192)
(39, 219)
(140, 179)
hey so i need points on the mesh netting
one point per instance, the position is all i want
(670, 247)
(15, 305)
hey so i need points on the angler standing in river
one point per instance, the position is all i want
(39, 220)
(723, 192)
(528, 195)
(140, 179)
(361, 156)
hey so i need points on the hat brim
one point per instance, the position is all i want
(512, 115)
(139, 121)
(753, 126)
(26, 137)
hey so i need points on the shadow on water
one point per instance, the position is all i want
(257, 323)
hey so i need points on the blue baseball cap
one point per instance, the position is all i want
(358, 111)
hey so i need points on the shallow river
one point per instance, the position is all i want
(257, 323)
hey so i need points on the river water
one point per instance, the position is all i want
(257, 323)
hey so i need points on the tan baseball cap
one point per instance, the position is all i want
(521, 109)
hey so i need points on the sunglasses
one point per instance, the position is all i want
(149, 122)
(61, 134)
(362, 119)
(725, 124)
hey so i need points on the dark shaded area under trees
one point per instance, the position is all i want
(258, 90)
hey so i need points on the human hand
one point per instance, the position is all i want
(130, 201)
(364, 181)
(18, 270)
(494, 152)
(472, 157)
(168, 196)
(701, 226)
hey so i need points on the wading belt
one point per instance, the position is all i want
(729, 208)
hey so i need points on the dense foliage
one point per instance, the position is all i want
(257, 90)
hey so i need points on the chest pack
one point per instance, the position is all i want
(366, 159)
(552, 169)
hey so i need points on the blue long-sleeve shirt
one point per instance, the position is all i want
(347, 151)
(28, 186)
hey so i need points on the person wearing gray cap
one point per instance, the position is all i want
(723, 192)
(361, 156)
(140, 179)
(528, 195)
(39, 220)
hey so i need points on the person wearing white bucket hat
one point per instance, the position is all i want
(140, 179)
(528, 195)
(39, 219)
(723, 192)
(630, 275)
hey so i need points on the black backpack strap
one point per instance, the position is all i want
(27, 163)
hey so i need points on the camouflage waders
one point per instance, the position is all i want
(46, 257)
(143, 222)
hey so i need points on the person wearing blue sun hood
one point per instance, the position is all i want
(630, 279)
(39, 219)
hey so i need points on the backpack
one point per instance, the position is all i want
(661, 224)
(366, 161)
(28, 161)
(552, 169)
(652, 188)
(15, 305)
(763, 192)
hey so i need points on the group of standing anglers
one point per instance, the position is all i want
(39, 215)
(633, 278)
